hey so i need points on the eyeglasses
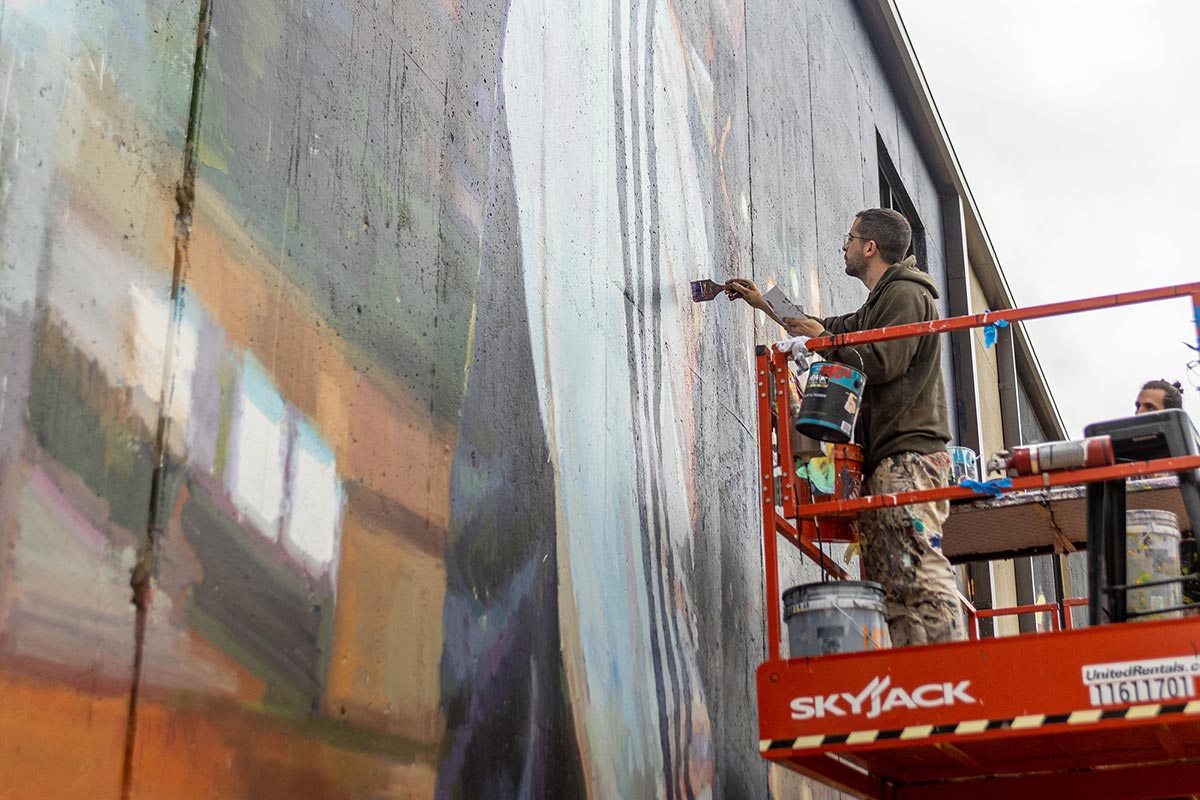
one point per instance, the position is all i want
(850, 236)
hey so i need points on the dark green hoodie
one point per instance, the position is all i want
(904, 404)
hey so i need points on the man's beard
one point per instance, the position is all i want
(855, 267)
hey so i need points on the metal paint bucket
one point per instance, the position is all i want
(803, 447)
(1152, 554)
(832, 397)
(835, 617)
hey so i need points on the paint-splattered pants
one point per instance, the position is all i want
(902, 550)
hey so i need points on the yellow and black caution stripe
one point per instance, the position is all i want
(1026, 722)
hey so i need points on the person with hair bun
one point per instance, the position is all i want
(1159, 395)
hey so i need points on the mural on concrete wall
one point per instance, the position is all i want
(358, 436)
(93, 116)
(603, 492)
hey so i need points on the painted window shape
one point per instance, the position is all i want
(257, 453)
(314, 501)
(149, 338)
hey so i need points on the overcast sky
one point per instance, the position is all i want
(1077, 126)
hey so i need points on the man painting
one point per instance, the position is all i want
(904, 423)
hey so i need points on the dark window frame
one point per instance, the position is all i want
(893, 195)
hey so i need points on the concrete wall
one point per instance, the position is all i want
(358, 437)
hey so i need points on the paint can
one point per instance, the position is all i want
(835, 617)
(841, 473)
(1152, 554)
(803, 447)
(844, 470)
(964, 465)
(847, 470)
(832, 397)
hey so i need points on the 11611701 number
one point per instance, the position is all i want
(1148, 681)
(1141, 690)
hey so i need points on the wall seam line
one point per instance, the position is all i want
(140, 578)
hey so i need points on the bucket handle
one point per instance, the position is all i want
(842, 611)
(862, 366)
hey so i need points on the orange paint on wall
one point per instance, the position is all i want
(61, 740)
(65, 742)
(399, 455)
(383, 672)
(231, 751)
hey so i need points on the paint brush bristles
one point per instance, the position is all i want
(706, 289)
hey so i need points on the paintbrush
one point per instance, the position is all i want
(706, 289)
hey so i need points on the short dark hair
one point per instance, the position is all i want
(889, 229)
(1172, 392)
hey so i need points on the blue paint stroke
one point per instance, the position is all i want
(260, 390)
(311, 441)
(992, 488)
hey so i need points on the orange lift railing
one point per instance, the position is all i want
(1106, 710)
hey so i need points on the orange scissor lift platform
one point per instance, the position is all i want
(1110, 711)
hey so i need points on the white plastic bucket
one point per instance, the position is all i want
(1152, 554)
(835, 617)
(964, 465)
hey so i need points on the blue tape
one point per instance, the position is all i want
(1196, 317)
(992, 488)
(989, 330)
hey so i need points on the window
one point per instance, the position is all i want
(893, 195)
